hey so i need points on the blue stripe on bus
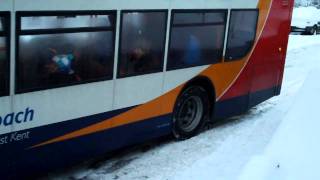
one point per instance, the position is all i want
(12, 150)
(37, 161)
(239, 105)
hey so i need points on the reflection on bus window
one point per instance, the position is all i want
(196, 39)
(3, 66)
(200, 18)
(62, 59)
(142, 43)
(1, 24)
(242, 33)
(56, 22)
(4, 56)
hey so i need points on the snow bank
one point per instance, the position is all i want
(294, 150)
(299, 41)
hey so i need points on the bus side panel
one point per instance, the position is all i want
(264, 71)
(268, 72)
(5, 110)
(6, 5)
(34, 161)
(266, 64)
(5, 151)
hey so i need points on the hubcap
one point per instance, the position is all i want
(190, 113)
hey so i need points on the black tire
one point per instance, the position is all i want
(190, 112)
(313, 30)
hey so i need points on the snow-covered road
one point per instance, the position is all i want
(219, 153)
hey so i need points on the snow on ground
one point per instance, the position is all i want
(294, 150)
(225, 151)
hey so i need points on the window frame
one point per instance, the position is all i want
(50, 31)
(226, 59)
(225, 11)
(7, 34)
(122, 12)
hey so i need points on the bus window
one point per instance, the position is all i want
(72, 53)
(242, 32)
(142, 42)
(197, 38)
(4, 55)
(71, 21)
(2, 21)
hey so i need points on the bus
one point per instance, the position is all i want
(79, 79)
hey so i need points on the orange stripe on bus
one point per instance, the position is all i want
(222, 75)
(142, 112)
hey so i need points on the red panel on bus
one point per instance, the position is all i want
(266, 65)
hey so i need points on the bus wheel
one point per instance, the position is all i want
(190, 112)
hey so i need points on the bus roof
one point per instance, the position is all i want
(40, 5)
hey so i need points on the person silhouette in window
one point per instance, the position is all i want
(192, 54)
(140, 59)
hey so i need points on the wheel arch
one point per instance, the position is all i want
(208, 85)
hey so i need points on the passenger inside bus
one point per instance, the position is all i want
(192, 54)
(196, 39)
(61, 59)
(59, 66)
(140, 58)
(142, 43)
(193, 46)
(65, 55)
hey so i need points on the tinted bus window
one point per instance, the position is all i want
(4, 55)
(142, 42)
(71, 21)
(197, 38)
(242, 32)
(64, 56)
(2, 21)
(198, 18)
